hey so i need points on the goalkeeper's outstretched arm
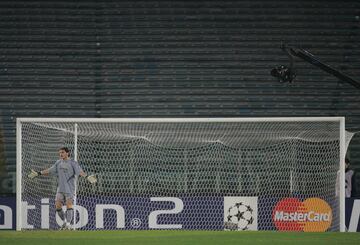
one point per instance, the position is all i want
(91, 178)
(34, 173)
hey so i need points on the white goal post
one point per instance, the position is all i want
(188, 173)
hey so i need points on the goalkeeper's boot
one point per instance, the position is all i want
(63, 227)
(67, 226)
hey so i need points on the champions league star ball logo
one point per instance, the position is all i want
(239, 216)
(240, 213)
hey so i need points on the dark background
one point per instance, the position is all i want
(173, 59)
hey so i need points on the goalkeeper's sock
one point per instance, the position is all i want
(61, 213)
(69, 215)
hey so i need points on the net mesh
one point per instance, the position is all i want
(197, 162)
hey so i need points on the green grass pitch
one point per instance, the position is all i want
(174, 237)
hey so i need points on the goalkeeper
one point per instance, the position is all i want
(66, 170)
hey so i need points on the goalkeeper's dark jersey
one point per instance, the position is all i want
(66, 171)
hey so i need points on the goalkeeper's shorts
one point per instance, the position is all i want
(63, 197)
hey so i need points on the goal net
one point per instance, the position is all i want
(210, 174)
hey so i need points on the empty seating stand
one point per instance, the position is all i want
(174, 59)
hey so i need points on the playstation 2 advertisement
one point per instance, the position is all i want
(240, 213)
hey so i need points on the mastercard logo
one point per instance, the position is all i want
(311, 215)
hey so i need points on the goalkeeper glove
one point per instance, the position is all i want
(91, 178)
(33, 174)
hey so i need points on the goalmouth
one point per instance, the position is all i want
(282, 174)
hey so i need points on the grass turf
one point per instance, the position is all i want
(174, 237)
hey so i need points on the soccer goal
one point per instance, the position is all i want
(187, 173)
